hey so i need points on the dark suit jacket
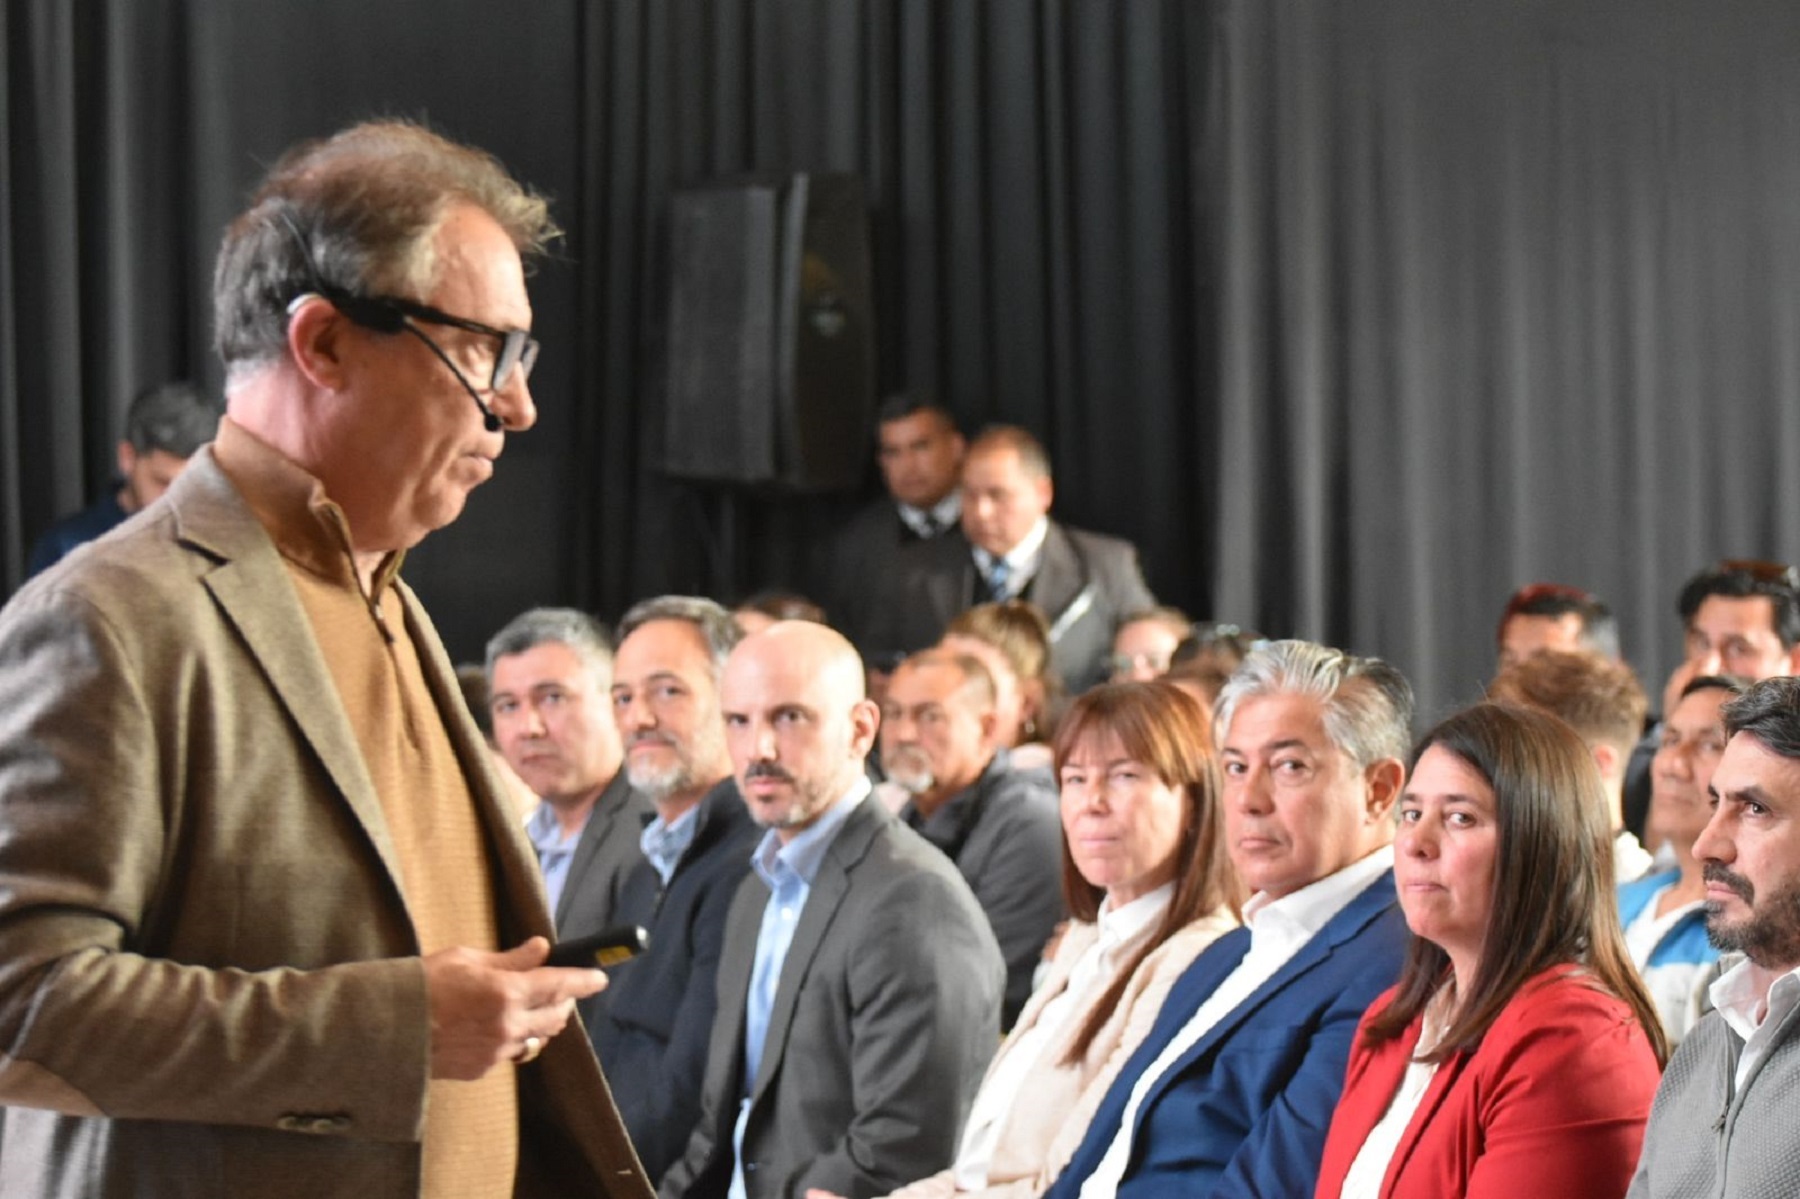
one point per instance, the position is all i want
(1552, 1102)
(204, 943)
(604, 858)
(858, 558)
(1005, 836)
(1086, 583)
(1244, 1111)
(655, 1029)
(885, 1016)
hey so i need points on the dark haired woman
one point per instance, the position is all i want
(1519, 1054)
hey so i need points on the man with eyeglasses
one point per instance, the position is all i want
(1739, 617)
(267, 923)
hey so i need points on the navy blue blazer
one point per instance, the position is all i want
(652, 1036)
(1244, 1112)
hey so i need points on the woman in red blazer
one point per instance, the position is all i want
(1519, 1053)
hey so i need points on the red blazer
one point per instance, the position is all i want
(1551, 1102)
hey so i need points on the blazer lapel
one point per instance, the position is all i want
(606, 810)
(1448, 1071)
(824, 900)
(251, 586)
(1059, 576)
(1364, 907)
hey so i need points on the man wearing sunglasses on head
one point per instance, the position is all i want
(268, 925)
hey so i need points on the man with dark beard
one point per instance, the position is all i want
(1723, 1119)
(997, 823)
(653, 1023)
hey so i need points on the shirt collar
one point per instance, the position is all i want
(1023, 557)
(308, 529)
(1300, 915)
(546, 832)
(663, 842)
(943, 514)
(1748, 995)
(806, 852)
(1121, 924)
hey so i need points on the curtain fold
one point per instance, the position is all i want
(1352, 317)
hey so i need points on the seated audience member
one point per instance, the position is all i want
(549, 671)
(1145, 643)
(1724, 1117)
(920, 453)
(1740, 617)
(654, 1027)
(1664, 914)
(1012, 640)
(766, 607)
(997, 823)
(1600, 699)
(163, 428)
(1231, 1091)
(859, 987)
(472, 678)
(1145, 870)
(1552, 616)
(1204, 660)
(1010, 548)
(1519, 1052)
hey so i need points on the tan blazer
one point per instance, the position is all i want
(1056, 1101)
(208, 979)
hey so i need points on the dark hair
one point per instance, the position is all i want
(1163, 727)
(359, 212)
(783, 605)
(1743, 578)
(1599, 631)
(1553, 899)
(1736, 684)
(1768, 711)
(1033, 459)
(902, 404)
(472, 680)
(1597, 697)
(176, 418)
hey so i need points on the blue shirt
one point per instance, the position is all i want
(789, 871)
(663, 844)
(99, 517)
(554, 850)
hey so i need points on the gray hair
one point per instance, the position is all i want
(555, 626)
(716, 628)
(1368, 704)
(1770, 712)
(358, 212)
(176, 418)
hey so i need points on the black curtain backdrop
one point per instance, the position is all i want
(1353, 317)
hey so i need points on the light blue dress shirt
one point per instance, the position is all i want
(663, 844)
(554, 850)
(789, 871)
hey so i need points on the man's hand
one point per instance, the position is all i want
(487, 1008)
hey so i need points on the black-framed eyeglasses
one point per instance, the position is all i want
(391, 314)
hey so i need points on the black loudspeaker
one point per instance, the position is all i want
(771, 340)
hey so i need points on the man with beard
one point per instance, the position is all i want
(548, 674)
(998, 824)
(859, 988)
(1723, 1117)
(652, 1025)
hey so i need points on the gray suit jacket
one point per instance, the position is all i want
(1005, 836)
(209, 981)
(884, 1018)
(1086, 584)
(605, 856)
(1708, 1140)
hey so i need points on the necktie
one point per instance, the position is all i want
(998, 576)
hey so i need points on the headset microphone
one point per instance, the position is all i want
(487, 414)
